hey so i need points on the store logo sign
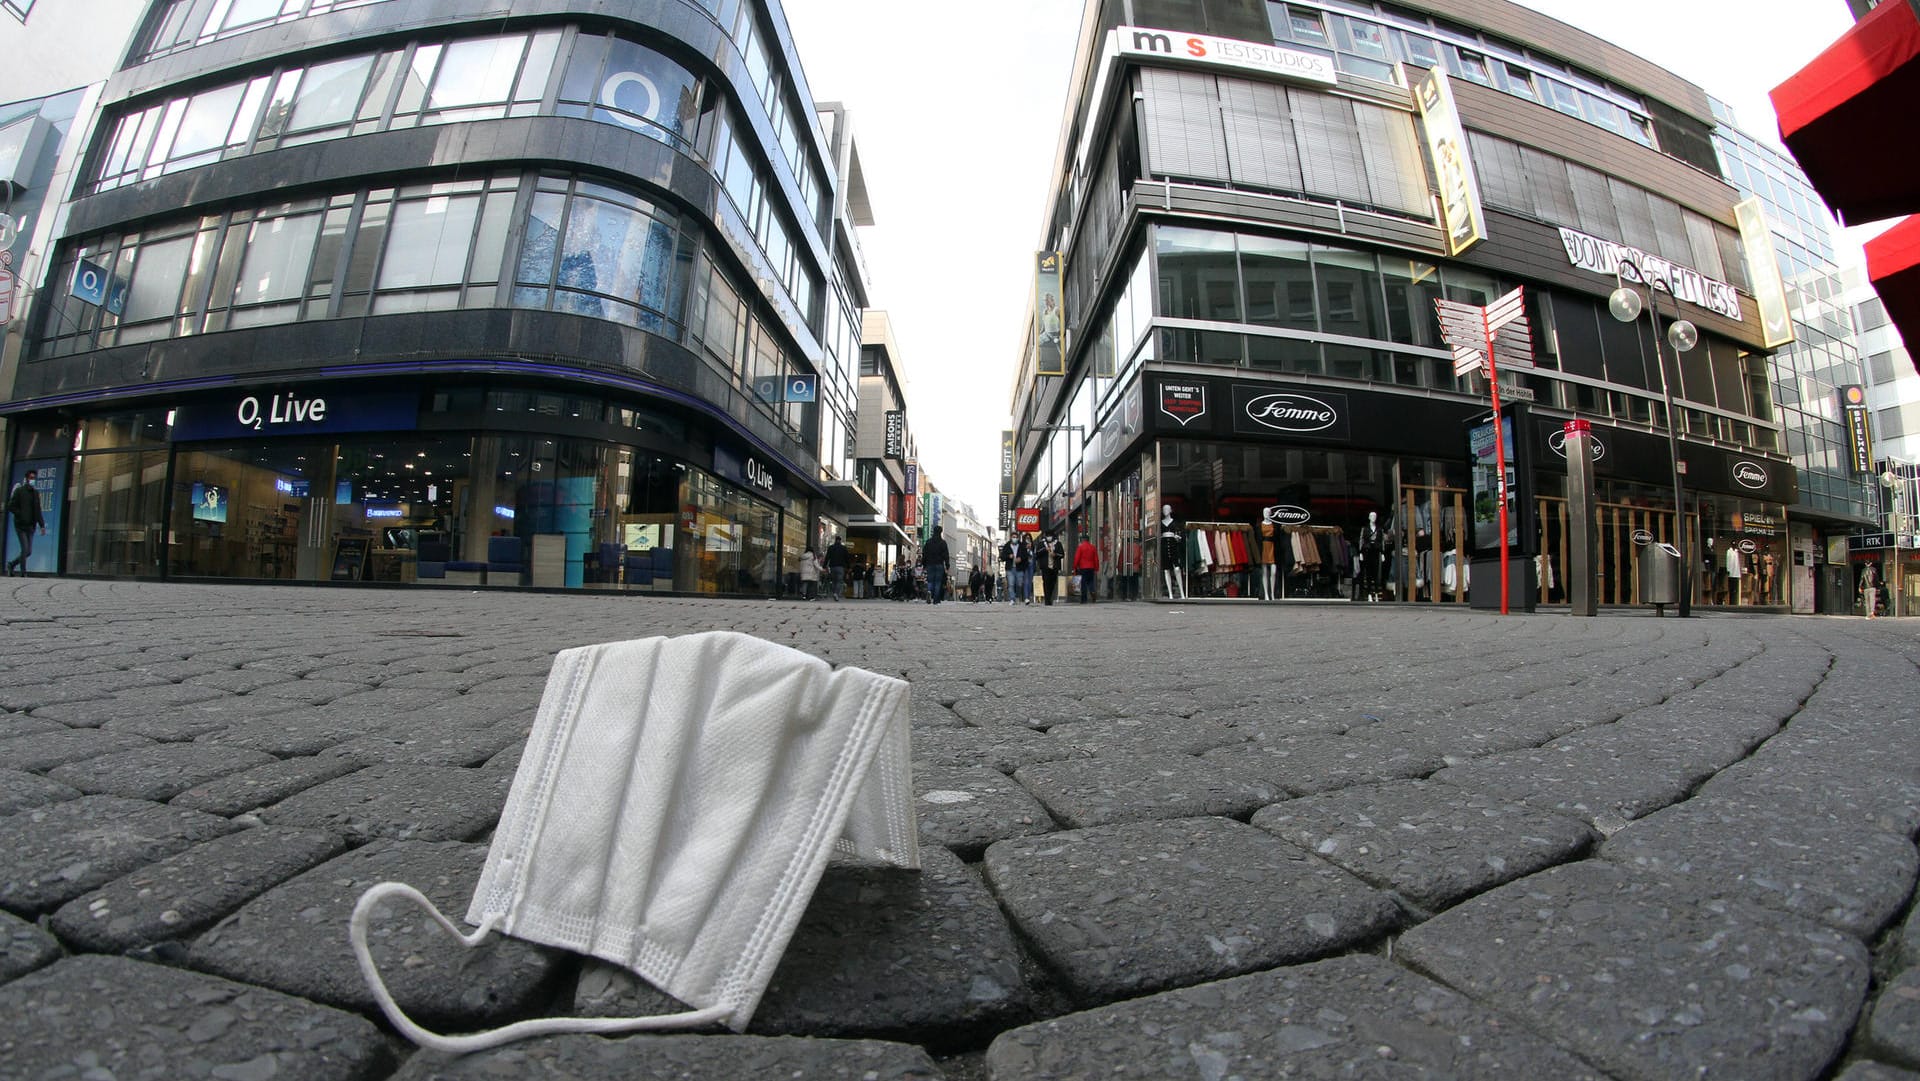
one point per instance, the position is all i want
(1291, 413)
(280, 409)
(1557, 443)
(1184, 402)
(1642, 538)
(1750, 475)
(757, 475)
(1226, 52)
(1286, 514)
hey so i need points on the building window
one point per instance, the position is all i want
(1563, 97)
(1519, 81)
(1422, 52)
(1369, 39)
(1306, 26)
(1472, 66)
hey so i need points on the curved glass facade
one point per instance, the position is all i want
(561, 71)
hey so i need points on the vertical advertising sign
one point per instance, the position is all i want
(1447, 144)
(896, 434)
(1763, 272)
(1047, 314)
(1853, 405)
(912, 502)
(1006, 463)
(46, 481)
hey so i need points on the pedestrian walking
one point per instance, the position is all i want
(24, 505)
(879, 579)
(934, 558)
(1022, 570)
(1086, 564)
(809, 575)
(837, 561)
(1869, 584)
(1047, 559)
(1006, 567)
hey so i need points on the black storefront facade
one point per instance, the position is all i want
(1316, 461)
(466, 479)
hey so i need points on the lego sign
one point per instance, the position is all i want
(1027, 519)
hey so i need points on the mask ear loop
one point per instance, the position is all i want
(479, 1041)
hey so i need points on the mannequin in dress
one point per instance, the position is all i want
(1269, 565)
(1373, 553)
(1173, 554)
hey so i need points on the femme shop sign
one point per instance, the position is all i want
(1604, 257)
(1289, 413)
(262, 413)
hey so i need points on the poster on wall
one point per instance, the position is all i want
(1447, 144)
(1763, 272)
(1853, 406)
(45, 555)
(210, 502)
(1047, 314)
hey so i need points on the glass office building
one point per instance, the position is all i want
(394, 290)
(1259, 204)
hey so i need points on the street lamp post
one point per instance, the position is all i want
(1625, 304)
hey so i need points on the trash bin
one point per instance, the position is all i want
(1659, 574)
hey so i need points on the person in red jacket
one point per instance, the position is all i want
(1086, 563)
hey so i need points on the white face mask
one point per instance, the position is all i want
(675, 806)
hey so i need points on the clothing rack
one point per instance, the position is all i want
(1321, 576)
(1221, 573)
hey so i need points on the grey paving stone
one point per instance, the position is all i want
(129, 702)
(1893, 1032)
(430, 745)
(1844, 874)
(1146, 735)
(36, 690)
(93, 1018)
(173, 721)
(24, 947)
(19, 724)
(239, 680)
(1424, 841)
(265, 784)
(1302, 765)
(157, 773)
(924, 714)
(393, 703)
(20, 791)
(1001, 747)
(1337, 1020)
(880, 952)
(293, 938)
(1649, 980)
(1118, 911)
(50, 855)
(1272, 720)
(1588, 784)
(405, 802)
(1858, 783)
(313, 692)
(1126, 695)
(46, 750)
(679, 1058)
(1874, 1071)
(968, 808)
(1097, 791)
(1032, 711)
(947, 691)
(298, 731)
(189, 892)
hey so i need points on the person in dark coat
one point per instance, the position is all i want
(24, 505)
(934, 558)
(837, 563)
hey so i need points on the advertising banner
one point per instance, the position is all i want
(1604, 257)
(1006, 463)
(1047, 314)
(1184, 402)
(47, 481)
(1763, 272)
(1853, 405)
(1447, 144)
(912, 500)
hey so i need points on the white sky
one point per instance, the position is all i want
(957, 110)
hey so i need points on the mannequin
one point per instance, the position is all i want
(1173, 555)
(1269, 567)
(1373, 551)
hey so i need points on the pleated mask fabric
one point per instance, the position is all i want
(676, 804)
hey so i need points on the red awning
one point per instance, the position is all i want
(1848, 116)
(1893, 262)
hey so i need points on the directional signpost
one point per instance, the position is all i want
(1489, 336)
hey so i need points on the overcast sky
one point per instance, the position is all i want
(957, 111)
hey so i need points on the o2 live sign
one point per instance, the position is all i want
(263, 413)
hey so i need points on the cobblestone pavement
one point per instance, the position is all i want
(1162, 842)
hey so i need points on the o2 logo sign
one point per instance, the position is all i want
(280, 409)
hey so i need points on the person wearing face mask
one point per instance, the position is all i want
(1047, 559)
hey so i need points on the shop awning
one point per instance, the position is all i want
(1893, 262)
(1848, 116)
(879, 529)
(849, 497)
